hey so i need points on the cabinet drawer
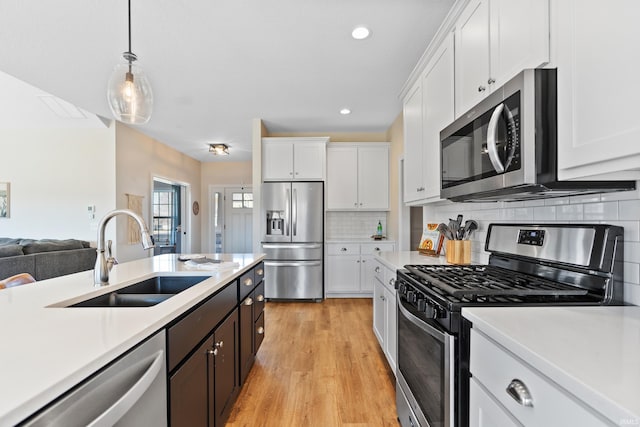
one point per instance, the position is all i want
(259, 331)
(376, 248)
(258, 272)
(185, 334)
(343, 249)
(390, 280)
(495, 368)
(246, 285)
(258, 301)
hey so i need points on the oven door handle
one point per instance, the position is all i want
(434, 332)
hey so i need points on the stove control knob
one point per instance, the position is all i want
(422, 304)
(433, 311)
(411, 296)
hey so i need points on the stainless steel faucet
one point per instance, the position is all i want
(101, 270)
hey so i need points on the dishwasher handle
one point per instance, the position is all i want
(120, 407)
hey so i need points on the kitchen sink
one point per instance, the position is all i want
(143, 294)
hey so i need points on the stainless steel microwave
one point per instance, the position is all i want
(505, 148)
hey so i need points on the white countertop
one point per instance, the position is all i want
(397, 260)
(592, 352)
(45, 351)
(358, 240)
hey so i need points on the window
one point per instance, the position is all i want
(164, 214)
(242, 200)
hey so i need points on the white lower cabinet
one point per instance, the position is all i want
(506, 391)
(349, 271)
(384, 311)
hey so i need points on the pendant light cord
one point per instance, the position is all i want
(130, 26)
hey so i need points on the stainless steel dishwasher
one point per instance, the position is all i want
(132, 391)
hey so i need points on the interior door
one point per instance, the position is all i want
(238, 220)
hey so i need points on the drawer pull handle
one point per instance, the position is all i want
(260, 298)
(247, 282)
(377, 269)
(260, 330)
(248, 301)
(343, 249)
(520, 393)
(392, 282)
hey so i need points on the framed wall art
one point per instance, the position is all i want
(4, 200)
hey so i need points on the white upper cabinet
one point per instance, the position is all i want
(291, 159)
(495, 40)
(358, 177)
(427, 110)
(598, 88)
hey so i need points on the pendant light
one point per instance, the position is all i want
(129, 92)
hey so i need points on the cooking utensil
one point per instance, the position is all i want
(469, 227)
(444, 230)
(453, 227)
(459, 227)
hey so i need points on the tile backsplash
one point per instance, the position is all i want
(622, 209)
(354, 225)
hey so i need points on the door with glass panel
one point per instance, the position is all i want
(238, 220)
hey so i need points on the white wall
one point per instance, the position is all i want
(138, 159)
(54, 175)
(621, 209)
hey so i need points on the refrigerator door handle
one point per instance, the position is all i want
(287, 210)
(292, 263)
(291, 246)
(294, 210)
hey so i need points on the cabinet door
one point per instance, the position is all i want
(484, 411)
(519, 38)
(412, 117)
(342, 178)
(189, 389)
(309, 160)
(373, 178)
(343, 273)
(379, 308)
(225, 368)
(247, 322)
(277, 160)
(472, 55)
(437, 113)
(391, 329)
(367, 273)
(598, 88)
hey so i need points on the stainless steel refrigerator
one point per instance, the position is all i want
(293, 237)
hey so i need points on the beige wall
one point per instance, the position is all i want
(219, 174)
(395, 135)
(139, 158)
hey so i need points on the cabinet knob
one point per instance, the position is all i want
(343, 249)
(382, 297)
(247, 281)
(248, 301)
(481, 88)
(213, 351)
(260, 272)
(290, 173)
(358, 261)
(355, 204)
(260, 298)
(377, 269)
(376, 249)
(297, 173)
(360, 203)
(219, 344)
(520, 393)
(260, 330)
(392, 282)
(491, 81)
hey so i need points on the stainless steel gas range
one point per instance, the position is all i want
(529, 264)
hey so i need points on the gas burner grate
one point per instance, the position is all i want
(472, 282)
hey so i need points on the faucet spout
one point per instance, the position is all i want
(101, 270)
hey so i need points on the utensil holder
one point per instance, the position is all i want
(458, 252)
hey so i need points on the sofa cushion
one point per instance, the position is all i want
(50, 245)
(10, 250)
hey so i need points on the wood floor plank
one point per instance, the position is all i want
(319, 365)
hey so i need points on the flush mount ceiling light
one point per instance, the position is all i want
(219, 149)
(129, 92)
(360, 33)
(345, 111)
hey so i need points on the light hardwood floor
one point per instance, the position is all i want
(319, 365)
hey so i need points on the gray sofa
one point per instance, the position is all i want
(45, 258)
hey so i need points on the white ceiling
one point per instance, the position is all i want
(215, 65)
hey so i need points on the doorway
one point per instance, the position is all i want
(168, 207)
(231, 221)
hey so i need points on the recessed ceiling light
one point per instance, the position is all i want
(345, 111)
(360, 33)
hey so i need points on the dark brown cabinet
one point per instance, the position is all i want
(251, 309)
(225, 366)
(189, 389)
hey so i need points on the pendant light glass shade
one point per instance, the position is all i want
(129, 92)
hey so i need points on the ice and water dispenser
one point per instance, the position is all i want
(275, 223)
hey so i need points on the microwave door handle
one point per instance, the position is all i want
(511, 124)
(492, 130)
(287, 210)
